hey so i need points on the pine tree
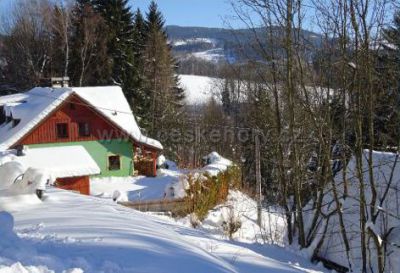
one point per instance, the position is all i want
(160, 73)
(141, 100)
(139, 33)
(388, 106)
(392, 37)
(119, 20)
(392, 45)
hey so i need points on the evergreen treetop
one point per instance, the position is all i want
(154, 19)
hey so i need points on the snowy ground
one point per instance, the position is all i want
(214, 55)
(243, 209)
(386, 177)
(72, 233)
(169, 183)
(199, 89)
(138, 188)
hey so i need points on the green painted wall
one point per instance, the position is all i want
(100, 150)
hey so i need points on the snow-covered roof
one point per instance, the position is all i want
(35, 105)
(58, 162)
(111, 102)
(12, 99)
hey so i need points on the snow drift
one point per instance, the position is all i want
(18, 186)
(70, 231)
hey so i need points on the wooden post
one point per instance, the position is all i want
(258, 176)
(154, 164)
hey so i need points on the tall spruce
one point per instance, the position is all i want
(119, 20)
(141, 100)
(392, 45)
(392, 36)
(389, 68)
(161, 80)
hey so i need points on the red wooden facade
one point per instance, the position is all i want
(72, 112)
(75, 111)
(79, 184)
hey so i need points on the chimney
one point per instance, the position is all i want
(58, 82)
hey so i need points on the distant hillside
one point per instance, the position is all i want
(198, 89)
(224, 45)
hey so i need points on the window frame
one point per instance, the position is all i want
(59, 136)
(109, 164)
(86, 127)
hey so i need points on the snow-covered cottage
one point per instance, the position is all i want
(99, 119)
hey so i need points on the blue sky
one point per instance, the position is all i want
(207, 13)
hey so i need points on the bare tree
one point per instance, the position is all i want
(28, 42)
(90, 62)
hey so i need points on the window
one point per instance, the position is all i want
(62, 130)
(84, 129)
(72, 106)
(114, 163)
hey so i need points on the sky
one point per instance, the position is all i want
(204, 13)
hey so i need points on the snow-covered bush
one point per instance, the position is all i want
(215, 163)
(207, 191)
(194, 220)
(178, 189)
(231, 224)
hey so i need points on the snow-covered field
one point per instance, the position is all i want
(199, 89)
(181, 42)
(71, 233)
(214, 55)
(242, 209)
(134, 188)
